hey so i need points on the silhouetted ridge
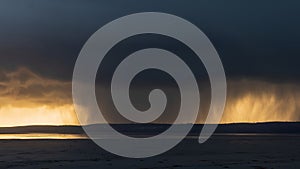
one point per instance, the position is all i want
(152, 129)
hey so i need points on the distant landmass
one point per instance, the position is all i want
(152, 129)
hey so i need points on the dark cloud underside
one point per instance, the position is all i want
(254, 38)
(258, 43)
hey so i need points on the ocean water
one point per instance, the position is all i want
(64, 151)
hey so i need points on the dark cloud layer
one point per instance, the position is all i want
(254, 38)
(258, 43)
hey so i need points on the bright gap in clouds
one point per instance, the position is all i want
(29, 99)
(39, 115)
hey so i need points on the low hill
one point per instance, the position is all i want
(152, 129)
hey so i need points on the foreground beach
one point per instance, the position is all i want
(253, 151)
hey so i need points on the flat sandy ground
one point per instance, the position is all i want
(230, 151)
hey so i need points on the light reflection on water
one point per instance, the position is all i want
(37, 136)
(28, 136)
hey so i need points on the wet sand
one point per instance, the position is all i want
(240, 151)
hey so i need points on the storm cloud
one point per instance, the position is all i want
(258, 43)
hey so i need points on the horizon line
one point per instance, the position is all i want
(42, 125)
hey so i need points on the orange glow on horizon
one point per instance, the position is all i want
(27, 98)
(39, 115)
(251, 109)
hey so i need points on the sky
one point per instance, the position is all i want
(258, 43)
